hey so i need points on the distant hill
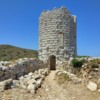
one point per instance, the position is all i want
(8, 52)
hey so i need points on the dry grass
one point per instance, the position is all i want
(62, 78)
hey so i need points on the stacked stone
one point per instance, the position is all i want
(31, 82)
(57, 34)
(20, 67)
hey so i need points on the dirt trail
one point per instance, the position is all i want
(51, 90)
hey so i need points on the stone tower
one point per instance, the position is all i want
(57, 35)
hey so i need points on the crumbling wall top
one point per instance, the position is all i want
(55, 11)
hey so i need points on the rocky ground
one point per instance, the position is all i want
(62, 84)
(51, 90)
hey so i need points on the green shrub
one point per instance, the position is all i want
(77, 63)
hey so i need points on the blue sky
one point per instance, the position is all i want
(19, 22)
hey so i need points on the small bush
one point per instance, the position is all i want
(77, 63)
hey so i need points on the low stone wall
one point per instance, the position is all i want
(20, 67)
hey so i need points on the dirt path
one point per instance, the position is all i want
(50, 89)
(69, 91)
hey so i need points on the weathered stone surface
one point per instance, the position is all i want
(5, 85)
(92, 86)
(32, 88)
(26, 74)
(16, 83)
(30, 74)
(57, 35)
(2, 88)
(38, 83)
(31, 81)
(4, 68)
(20, 67)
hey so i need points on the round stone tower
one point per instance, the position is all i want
(57, 35)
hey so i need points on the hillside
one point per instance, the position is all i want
(8, 52)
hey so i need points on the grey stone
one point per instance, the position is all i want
(32, 81)
(5, 84)
(57, 34)
(32, 88)
(2, 88)
(23, 85)
(37, 76)
(4, 68)
(30, 74)
(38, 83)
(92, 86)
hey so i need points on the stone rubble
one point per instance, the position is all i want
(5, 84)
(19, 67)
(71, 76)
(92, 86)
(30, 82)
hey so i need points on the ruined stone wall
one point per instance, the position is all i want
(57, 34)
(19, 68)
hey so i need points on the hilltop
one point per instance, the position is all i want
(8, 52)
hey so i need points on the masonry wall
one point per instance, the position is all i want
(20, 67)
(57, 34)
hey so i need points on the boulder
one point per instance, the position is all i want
(32, 88)
(38, 83)
(9, 81)
(28, 78)
(5, 84)
(36, 76)
(4, 68)
(92, 86)
(23, 85)
(30, 74)
(2, 88)
(45, 72)
(16, 83)
(42, 77)
(40, 71)
(32, 81)
(21, 79)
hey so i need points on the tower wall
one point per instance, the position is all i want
(57, 34)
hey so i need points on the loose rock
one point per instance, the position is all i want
(92, 86)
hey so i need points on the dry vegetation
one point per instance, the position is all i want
(8, 52)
